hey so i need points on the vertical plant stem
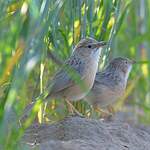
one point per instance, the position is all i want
(113, 31)
(91, 17)
(80, 18)
(105, 21)
(41, 111)
(84, 20)
(72, 21)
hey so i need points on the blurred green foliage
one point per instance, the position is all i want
(31, 28)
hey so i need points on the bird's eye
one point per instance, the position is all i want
(126, 62)
(89, 46)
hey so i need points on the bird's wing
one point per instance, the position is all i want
(64, 78)
(100, 77)
(108, 79)
(105, 80)
(102, 83)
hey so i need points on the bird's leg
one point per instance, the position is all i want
(89, 112)
(103, 114)
(72, 109)
(69, 106)
(111, 109)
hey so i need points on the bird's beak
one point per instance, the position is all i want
(133, 61)
(101, 44)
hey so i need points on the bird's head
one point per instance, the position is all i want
(123, 65)
(89, 47)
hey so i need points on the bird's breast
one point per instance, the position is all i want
(90, 74)
(77, 91)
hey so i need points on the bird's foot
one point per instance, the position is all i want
(104, 115)
(75, 114)
(111, 109)
(72, 110)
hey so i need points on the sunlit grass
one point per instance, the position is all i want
(28, 30)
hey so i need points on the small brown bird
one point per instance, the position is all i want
(110, 84)
(84, 63)
(76, 77)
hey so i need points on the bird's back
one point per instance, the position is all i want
(107, 88)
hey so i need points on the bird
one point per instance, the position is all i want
(82, 65)
(110, 84)
(75, 77)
